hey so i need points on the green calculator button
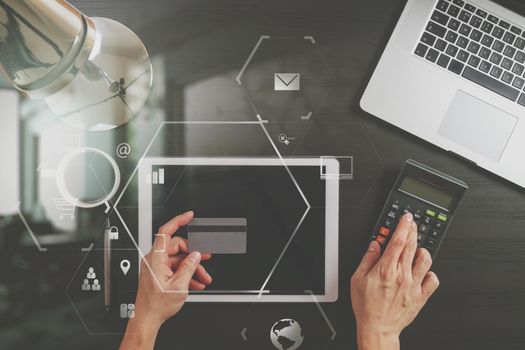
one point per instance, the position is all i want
(430, 213)
(442, 217)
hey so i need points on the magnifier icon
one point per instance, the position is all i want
(283, 138)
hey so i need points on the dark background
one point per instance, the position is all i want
(481, 300)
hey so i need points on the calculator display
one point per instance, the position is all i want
(426, 191)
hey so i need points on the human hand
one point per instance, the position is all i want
(388, 291)
(166, 274)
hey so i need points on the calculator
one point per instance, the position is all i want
(430, 195)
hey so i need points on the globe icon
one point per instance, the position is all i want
(286, 334)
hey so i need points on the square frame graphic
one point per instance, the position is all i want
(341, 175)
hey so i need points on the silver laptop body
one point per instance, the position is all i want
(459, 104)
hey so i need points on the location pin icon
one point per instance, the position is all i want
(124, 266)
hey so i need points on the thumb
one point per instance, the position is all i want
(186, 269)
(370, 258)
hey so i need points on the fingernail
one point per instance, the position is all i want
(372, 247)
(188, 213)
(408, 217)
(195, 257)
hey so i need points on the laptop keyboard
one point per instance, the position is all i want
(477, 45)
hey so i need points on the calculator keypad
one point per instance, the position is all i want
(431, 224)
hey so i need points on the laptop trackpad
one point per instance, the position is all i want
(477, 125)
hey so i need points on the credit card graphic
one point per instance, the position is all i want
(218, 235)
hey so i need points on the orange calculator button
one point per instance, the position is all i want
(380, 239)
(384, 231)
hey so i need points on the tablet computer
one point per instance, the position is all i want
(273, 228)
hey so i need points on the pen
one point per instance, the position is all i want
(107, 266)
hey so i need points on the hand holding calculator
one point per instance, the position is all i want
(430, 195)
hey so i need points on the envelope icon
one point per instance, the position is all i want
(287, 82)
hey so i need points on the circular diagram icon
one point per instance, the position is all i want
(286, 334)
(94, 160)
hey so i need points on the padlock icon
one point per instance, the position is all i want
(113, 233)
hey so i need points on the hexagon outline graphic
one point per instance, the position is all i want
(309, 115)
(261, 123)
(310, 38)
(66, 292)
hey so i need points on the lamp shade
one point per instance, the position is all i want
(95, 73)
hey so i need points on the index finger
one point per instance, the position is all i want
(399, 240)
(169, 228)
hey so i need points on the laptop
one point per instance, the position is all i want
(251, 215)
(453, 74)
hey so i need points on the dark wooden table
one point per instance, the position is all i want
(481, 301)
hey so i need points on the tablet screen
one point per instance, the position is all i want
(269, 202)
